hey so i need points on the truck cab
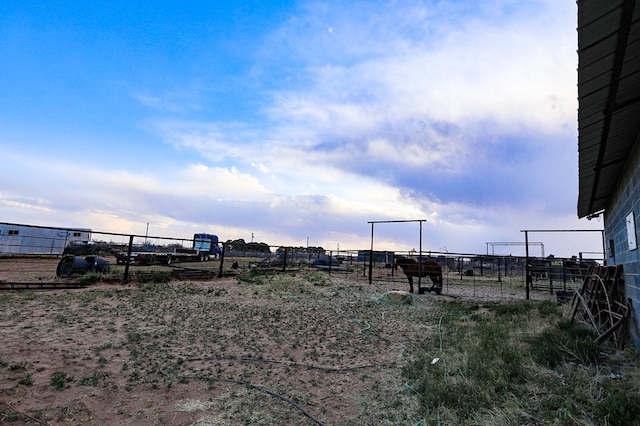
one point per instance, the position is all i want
(207, 243)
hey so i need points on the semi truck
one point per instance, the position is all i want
(16, 239)
(203, 248)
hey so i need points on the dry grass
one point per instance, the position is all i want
(276, 349)
(296, 348)
(522, 363)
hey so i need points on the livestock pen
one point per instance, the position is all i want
(463, 274)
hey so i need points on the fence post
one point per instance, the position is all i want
(224, 249)
(371, 257)
(125, 278)
(527, 267)
(284, 263)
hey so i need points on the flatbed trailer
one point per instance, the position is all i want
(165, 258)
(205, 247)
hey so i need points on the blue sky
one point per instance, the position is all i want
(291, 120)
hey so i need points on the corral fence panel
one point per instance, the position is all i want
(141, 257)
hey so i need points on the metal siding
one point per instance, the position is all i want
(599, 28)
(39, 240)
(592, 10)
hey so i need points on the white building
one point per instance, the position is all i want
(26, 239)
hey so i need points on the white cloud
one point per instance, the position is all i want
(412, 110)
(220, 183)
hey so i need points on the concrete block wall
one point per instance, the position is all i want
(625, 200)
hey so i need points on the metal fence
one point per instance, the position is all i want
(135, 257)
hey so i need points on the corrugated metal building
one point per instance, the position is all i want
(609, 128)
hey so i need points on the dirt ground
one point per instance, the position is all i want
(296, 348)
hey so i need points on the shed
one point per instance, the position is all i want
(608, 132)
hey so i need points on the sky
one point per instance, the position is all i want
(296, 122)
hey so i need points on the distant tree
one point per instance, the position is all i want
(237, 245)
(258, 247)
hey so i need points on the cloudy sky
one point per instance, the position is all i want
(295, 120)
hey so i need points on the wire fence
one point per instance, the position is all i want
(38, 256)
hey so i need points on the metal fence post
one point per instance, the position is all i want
(125, 278)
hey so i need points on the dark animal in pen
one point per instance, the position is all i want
(539, 269)
(426, 268)
(559, 270)
(576, 270)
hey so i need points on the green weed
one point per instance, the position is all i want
(26, 380)
(17, 367)
(254, 276)
(318, 278)
(564, 342)
(486, 368)
(619, 407)
(90, 278)
(90, 380)
(161, 277)
(60, 380)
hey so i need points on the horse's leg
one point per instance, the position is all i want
(436, 279)
(433, 283)
(410, 278)
(439, 285)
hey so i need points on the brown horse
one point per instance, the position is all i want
(427, 268)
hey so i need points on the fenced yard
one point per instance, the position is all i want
(459, 279)
(304, 346)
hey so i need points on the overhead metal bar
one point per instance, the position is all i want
(371, 250)
(513, 243)
(562, 230)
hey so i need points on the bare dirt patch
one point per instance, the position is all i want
(296, 348)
